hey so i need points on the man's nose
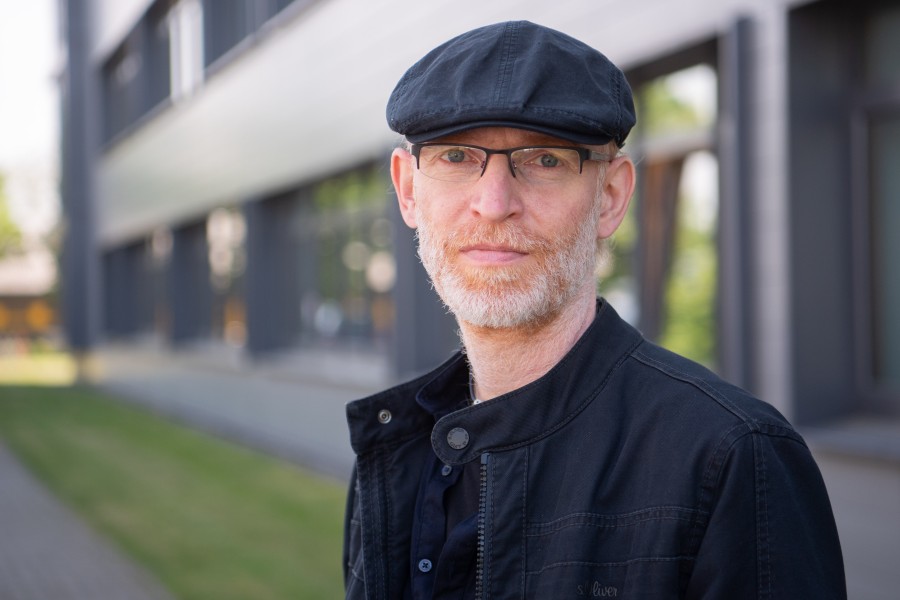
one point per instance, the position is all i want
(498, 191)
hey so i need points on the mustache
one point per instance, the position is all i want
(507, 235)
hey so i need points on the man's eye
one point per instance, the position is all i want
(548, 160)
(457, 155)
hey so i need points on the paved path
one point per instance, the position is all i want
(47, 553)
(294, 409)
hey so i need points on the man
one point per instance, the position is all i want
(560, 455)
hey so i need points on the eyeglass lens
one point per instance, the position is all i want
(466, 163)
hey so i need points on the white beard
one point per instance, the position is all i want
(500, 297)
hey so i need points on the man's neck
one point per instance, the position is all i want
(503, 360)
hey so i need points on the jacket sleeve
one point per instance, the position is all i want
(771, 533)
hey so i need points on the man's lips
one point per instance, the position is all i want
(492, 254)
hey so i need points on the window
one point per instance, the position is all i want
(185, 23)
(884, 198)
(121, 92)
(226, 24)
(136, 78)
(166, 54)
(663, 273)
(879, 214)
(225, 236)
(156, 52)
(347, 267)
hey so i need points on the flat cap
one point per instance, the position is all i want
(514, 74)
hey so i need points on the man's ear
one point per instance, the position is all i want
(618, 186)
(402, 168)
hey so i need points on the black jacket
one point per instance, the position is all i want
(624, 472)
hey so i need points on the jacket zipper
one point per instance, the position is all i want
(482, 515)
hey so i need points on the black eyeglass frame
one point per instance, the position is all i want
(583, 153)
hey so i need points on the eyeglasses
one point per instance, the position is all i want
(535, 164)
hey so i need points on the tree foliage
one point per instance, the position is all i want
(10, 234)
(688, 319)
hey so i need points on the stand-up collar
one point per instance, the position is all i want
(514, 419)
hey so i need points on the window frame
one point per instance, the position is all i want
(875, 397)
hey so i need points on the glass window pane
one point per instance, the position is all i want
(225, 238)
(883, 47)
(676, 270)
(617, 277)
(348, 270)
(885, 198)
(689, 325)
(682, 102)
(226, 23)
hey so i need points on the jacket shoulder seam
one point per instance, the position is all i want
(767, 427)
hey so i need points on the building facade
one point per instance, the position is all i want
(225, 182)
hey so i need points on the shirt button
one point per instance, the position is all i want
(424, 565)
(458, 438)
(446, 470)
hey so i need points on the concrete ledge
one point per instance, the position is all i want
(863, 437)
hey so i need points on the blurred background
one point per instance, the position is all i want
(198, 236)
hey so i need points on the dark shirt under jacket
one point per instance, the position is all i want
(444, 534)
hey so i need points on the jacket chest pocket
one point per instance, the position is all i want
(609, 556)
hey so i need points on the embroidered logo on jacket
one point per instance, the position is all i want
(595, 589)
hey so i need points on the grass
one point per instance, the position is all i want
(47, 368)
(210, 519)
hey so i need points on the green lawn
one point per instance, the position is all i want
(44, 368)
(210, 519)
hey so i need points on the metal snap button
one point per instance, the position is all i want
(458, 438)
(425, 565)
(384, 416)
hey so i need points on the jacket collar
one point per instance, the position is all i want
(506, 422)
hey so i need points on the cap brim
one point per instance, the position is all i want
(563, 134)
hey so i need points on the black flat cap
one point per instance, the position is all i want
(514, 74)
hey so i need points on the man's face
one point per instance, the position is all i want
(503, 253)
